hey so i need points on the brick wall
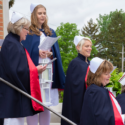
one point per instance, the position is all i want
(1, 20)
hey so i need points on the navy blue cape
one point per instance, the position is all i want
(31, 44)
(121, 100)
(97, 107)
(74, 89)
(14, 69)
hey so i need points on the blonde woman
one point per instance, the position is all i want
(75, 86)
(38, 30)
(15, 67)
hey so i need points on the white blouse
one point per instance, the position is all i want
(53, 92)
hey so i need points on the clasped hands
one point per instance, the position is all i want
(43, 54)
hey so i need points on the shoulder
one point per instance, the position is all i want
(98, 96)
(120, 96)
(31, 36)
(74, 62)
(10, 41)
(30, 39)
(76, 65)
(52, 30)
(53, 33)
(96, 90)
(78, 62)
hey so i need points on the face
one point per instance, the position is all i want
(23, 33)
(41, 15)
(86, 48)
(105, 78)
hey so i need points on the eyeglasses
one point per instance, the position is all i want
(25, 28)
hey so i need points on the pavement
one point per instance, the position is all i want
(55, 120)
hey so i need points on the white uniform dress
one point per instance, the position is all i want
(54, 96)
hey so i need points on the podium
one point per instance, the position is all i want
(45, 80)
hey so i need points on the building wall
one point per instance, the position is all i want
(1, 20)
(4, 18)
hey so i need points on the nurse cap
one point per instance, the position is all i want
(77, 39)
(95, 63)
(15, 17)
(122, 80)
(32, 6)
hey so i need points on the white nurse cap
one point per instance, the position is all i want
(15, 17)
(95, 63)
(77, 39)
(122, 80)
(32, 6)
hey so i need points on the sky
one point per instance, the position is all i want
(72, 11)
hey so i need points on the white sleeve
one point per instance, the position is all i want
(123, 118)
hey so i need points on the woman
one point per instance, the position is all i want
(75, 81)
(17, 68)
(38, 31)
(100, 106)
(121, 99)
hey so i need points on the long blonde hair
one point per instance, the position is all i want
(33, 29)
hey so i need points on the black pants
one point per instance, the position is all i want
(1, 121)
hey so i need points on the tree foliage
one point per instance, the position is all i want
(108, 33)
(91, 30)
(68, 51)
(112, 29)
(115, 76)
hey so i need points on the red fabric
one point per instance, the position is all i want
(34, 84)
(61, 89)
(86, 77)
(118, 118)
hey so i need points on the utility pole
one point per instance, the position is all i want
(122, 57)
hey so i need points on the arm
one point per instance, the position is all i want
(15, 64)
(75, 88)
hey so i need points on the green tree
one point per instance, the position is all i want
(112, 29)
(91, 30)
(11, 2)
(103, 23)
(68, 51)
(94, 50)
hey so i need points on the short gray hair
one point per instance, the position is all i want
(81, 42)
(17, 27)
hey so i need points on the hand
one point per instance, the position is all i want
(49, 54)
(42, 53)
(41, 68)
